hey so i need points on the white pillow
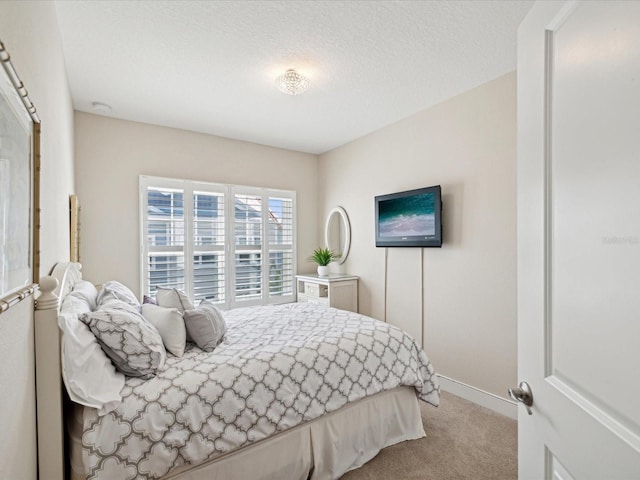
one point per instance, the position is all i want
(86, 291)
(75, 304)
(88, 374)
(170, 324)
(116, 291)
(173, 298)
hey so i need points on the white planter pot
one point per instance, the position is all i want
(323, 270)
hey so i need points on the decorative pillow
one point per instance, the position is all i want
(114, 290)
(133, 344)
(86, 291)
(205, 325)
(170, 325)
(149, 300)
(173, 298)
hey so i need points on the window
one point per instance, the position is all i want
(231, 245)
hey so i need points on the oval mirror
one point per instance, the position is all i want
(337, 233)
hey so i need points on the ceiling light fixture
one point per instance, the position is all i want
(100, 107)
(292, 83)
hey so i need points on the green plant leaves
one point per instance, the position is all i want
(323, 256)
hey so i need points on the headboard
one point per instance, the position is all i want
(49, 388)
(74, 227)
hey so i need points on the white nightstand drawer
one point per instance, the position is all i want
(336, 290)
(315, 289)
(313, 299)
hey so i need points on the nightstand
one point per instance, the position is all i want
(336, 290)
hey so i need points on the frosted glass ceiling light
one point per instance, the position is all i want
(292, 83)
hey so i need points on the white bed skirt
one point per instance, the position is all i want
(325, 448)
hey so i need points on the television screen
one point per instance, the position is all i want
(409, 219)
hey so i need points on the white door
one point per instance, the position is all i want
(579, 240)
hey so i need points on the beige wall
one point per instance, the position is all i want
(468, 145)
(111, 154)
(29, 31)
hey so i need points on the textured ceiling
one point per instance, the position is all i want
(210, 66)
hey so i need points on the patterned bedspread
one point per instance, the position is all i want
(277, 367)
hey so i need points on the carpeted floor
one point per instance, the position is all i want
(464, 441)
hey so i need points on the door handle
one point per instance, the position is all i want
(523, 394)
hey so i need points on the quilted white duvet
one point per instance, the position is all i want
(277, 367)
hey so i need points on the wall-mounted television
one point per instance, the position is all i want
(409, 219)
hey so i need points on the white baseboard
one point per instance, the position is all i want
(482, 398)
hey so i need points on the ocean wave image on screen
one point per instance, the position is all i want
(408, 216)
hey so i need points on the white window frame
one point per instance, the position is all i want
(229, 248)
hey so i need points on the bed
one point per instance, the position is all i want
(293, 391)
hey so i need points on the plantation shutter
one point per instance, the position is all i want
(247, 247)
(280, 247)
(208, 245)
(164, 233)
(233, 246)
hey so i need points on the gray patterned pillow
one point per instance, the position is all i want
(133, 345)
(205, 325)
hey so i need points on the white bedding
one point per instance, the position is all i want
(277, 367)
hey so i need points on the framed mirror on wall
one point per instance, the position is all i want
(337, 233)
(19, 188)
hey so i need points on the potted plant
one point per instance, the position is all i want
(323, 257)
